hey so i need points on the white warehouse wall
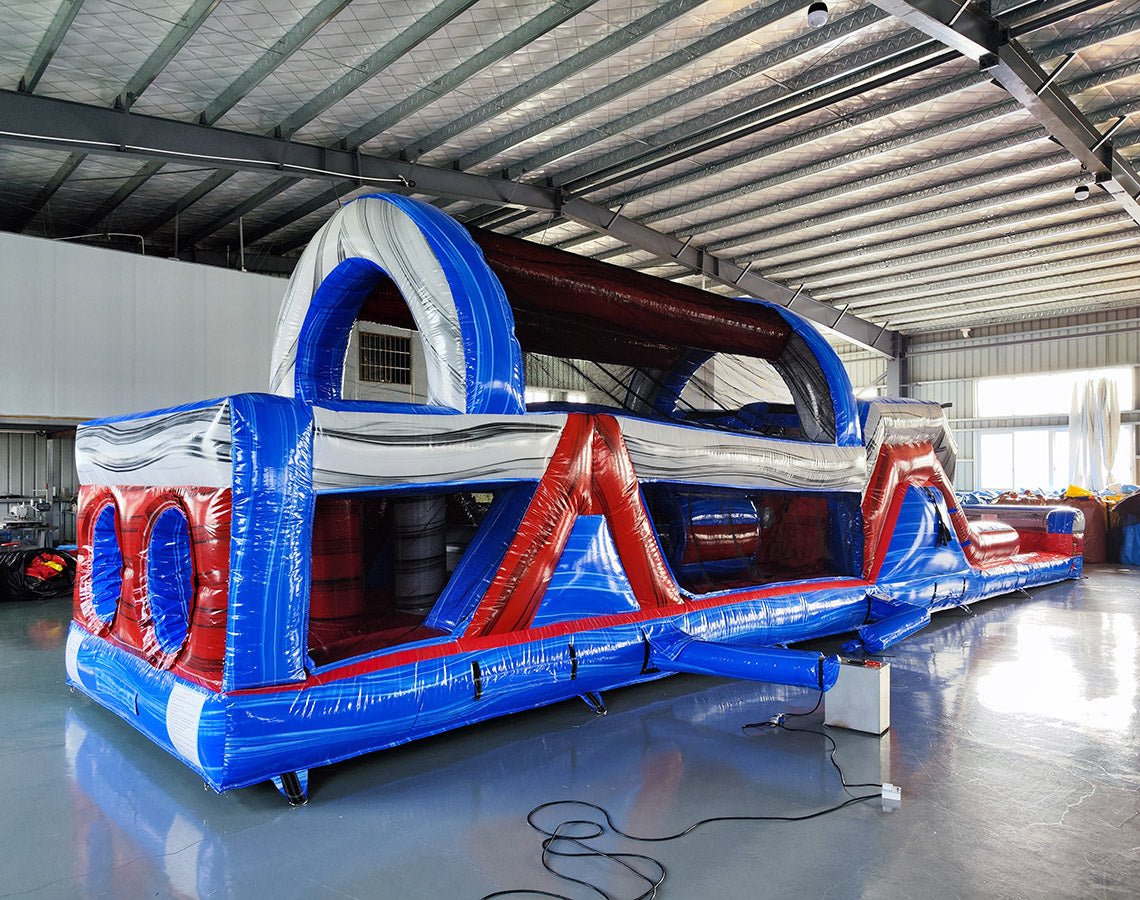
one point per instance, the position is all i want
(89, 332)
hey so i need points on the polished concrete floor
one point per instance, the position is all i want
(1015, 738)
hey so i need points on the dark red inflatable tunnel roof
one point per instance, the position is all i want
(571, 306)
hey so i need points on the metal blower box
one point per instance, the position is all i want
(861, 697)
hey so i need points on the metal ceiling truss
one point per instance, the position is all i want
(967, 121)
(167, 49)
(356, 76)
(549, 19)
(491, 217)
(423, 28)
(810, 92)
(612, 43)
(770, 257)
(661, 68)
(1025, 280)
(49, 43)
(235, 212)
(779, 256)
(262, 68)
(48, 191)
(978, 36)
(1076, 306)
(969, 232)
(902, 270)
(41, 120)
(1039, 301)
(159, 58)
(906, 270)
(843, 28)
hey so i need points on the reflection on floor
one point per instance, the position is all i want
(1015, 735)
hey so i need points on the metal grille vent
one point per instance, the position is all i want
(385, 358)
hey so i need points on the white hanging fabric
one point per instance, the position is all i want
(1094, 433)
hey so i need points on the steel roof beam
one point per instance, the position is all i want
(1053, 273)
(978, 36)
(424, 28)
(604, 221)
(283, 48)
(108, 206)
(961, 311)
(549, 19)
(427, 25)
(1006, 108)
(812, 91)
(40, 120)
(167, 49)
(49, 43)
(262, 68)
(612, 43)
(896, 270)
(151, 68)
(46, 121)
(770, 257)
(658, 69)
(1027, 312)
(295, 214)
(48, 191)
(246, 206)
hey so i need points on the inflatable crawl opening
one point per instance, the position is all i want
(170, 578)
(718, 539)
(382, 562)
(106, 564)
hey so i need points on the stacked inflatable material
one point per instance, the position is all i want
(272, 582)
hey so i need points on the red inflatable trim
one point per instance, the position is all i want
(901, 466)
(208, 510)
(590, 474)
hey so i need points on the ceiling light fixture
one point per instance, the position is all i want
(817, 14)
(1081, 192)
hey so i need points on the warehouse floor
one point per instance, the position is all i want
(1015, 740)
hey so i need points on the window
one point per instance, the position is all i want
(380, 563)
(170, 578)
(1036, 458)
(385, 358)
(1049, 394)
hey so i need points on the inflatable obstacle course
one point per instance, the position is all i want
(272, 582)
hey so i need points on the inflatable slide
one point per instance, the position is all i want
(272, 582)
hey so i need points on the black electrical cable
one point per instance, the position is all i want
(577, 832)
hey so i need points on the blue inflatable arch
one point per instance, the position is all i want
(473, 360)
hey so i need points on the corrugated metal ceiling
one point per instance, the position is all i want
(861, 159)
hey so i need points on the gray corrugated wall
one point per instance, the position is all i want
(944, 366)
(24, 463)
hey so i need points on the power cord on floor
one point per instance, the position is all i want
(571, 836)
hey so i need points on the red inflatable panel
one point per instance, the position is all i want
(569, 305)
(995, 540)
(589, 474)
(901, 466)
(208, 510)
